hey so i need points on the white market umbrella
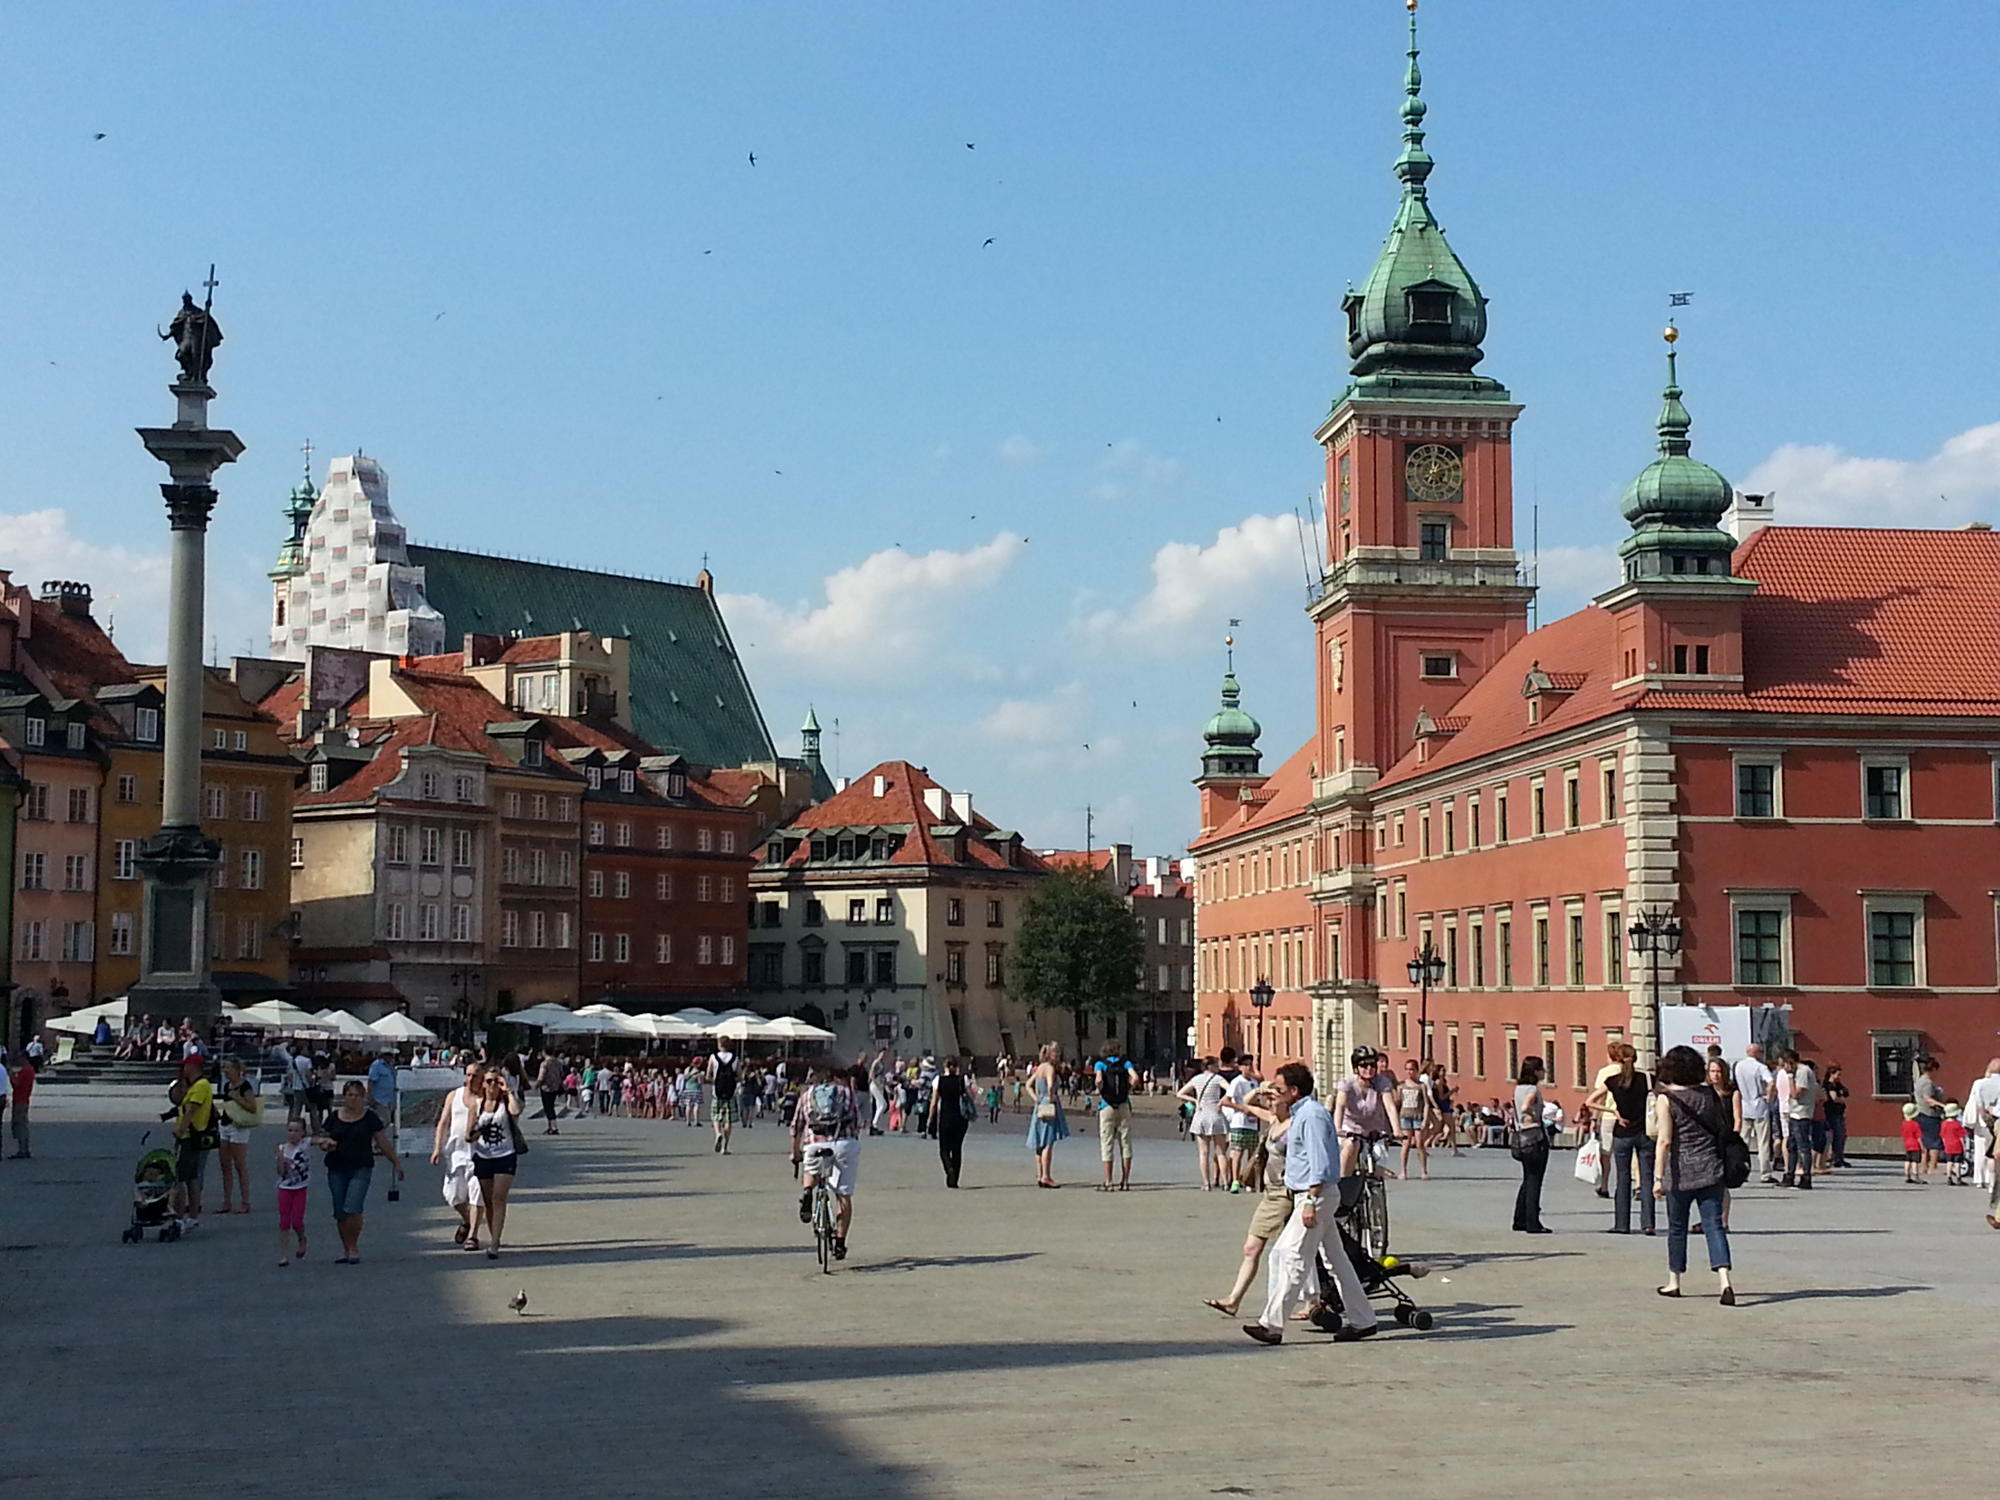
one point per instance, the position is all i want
(282, 1015)
(670, 1028)
(740, 1014)
(349, 1027)
(694, 1015)
(792, 1029)
(606, 1022)
(401, 1028)
(538, 1015)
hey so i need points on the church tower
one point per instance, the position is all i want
(291, 562)
(1230, 759)
(1423, 590)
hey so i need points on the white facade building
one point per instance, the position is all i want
(347, 580)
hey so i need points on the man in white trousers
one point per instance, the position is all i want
(1982, 1111)
(1312, 1172)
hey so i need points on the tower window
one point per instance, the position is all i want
(1433, 540)
(1440, 666)
(1430, 304)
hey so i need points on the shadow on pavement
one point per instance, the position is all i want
(924, 1262)
(1807, 1294)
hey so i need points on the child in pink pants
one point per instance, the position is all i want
(294, 1177)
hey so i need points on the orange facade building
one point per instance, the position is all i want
(1781, 741)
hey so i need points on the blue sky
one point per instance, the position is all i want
(986, 505)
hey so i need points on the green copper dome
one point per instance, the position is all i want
(298, 512)
(1677, 503)
(1231, 736)
(1420, 318)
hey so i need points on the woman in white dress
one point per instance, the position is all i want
(1205, 1091)
(449, 1145)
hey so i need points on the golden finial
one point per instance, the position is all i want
(1409, 4)
(1671, 333)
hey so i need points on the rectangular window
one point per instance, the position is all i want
(538, 867)
(621, 835)
(621, 948)
(884, 965)
(995, 969)
(663, 887)
(253, 870)
(704, 949)
(538, 929)
(1500, 814)
(430, 846)
(812, 966)
(1433, 545)
(954, 966)
(427, 922)
(1479, 1052)
(1476, 942)
(1756, 789)
(815, 912)
(594, 835)
(704, 888)
(1504, 937)
(461, 923)
(461, 788)
(954, 912)
(392, 921)
(121, 934)
(1883, 790)
(396, 844)
(1614, 947)
(565, 868)
(79, 942)
(221, 879)
(1895, 1057)
(993, 914)
(593, 947)
(128, 788)
(1572, 802)
(857, 911)
(885, 911)
(1575, 947)
(1513, 1055)
(427, 786)
(593, 883)
(249, 938)
(34, 936)
(253, 804)
(663, 948)
(214, 803)
(124, 859)
(704, 840)
(1541, 950)
(510, 928)
(1424, 833)
(1760, 946)
(1579, 1058)
(1538, 806)
(728, 841)
(1609, 810)
(37, 733)
(510, 866)
(510, 805)
(1892, 949)
(76, 872)
(461, 848)
(240, 740)
(79, 804)
(146, 724)
(665, 836)
(538, 804)
(34, 872)
(621, 886)
(728, 950)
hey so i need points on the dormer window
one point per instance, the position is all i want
(531, 752)
(37, 733)
(316, 779)
(76, 733)
(677, 783)
(594, 776)
(147, 725)
(1352, 307)
(625, 781)
(1430, 304)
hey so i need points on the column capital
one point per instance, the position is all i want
(188, 506)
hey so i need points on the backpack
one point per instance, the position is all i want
(1114, 1083)
(725, 1077)
(823, 1108)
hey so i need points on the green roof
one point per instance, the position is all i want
(690, 695)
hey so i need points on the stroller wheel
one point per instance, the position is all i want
(130, 1237)
(1404, 1314)
(1421, 1320)
(171, 1233)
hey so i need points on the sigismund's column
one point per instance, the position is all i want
(178, 862)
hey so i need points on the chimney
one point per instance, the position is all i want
(1750, 515)
(71, 598)
(881, 787)
(934, 800)
(961, 807)
(1155, 875)
(840, 784)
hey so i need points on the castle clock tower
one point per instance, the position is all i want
(1423, 592)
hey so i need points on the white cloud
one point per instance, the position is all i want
(129, 586)
(1569, 577)
(1196, 585)
(1021, 451)
(883, 612)
(1035, 721)
(1825, 485)
(1131, 470)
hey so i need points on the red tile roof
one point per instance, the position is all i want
(1079, 859)
(388, 742)
(902, 804)
(532, 648)
(1283, 795)
(1845, 620)
(75, 653)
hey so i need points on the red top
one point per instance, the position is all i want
(1913, 1136)
(24, 1086)
(1954, 1137)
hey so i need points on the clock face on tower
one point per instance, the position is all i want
(1433, 473)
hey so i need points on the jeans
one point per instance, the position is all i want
(1709, 1200)
(349, 1190)
(951, 1147)
(1623, 1149)
(549, 1105)
(1798, 1152)
(1528, 1201)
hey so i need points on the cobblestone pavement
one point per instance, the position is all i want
(678, 1338)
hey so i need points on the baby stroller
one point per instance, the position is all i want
(1381, 1279)
(152, 1198)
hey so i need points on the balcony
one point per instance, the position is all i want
(1355, 883)
(1344, 786)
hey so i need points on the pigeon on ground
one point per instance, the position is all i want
(519, 1301)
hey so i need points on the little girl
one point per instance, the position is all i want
(294, 1177)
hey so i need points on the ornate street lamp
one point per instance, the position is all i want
(1261, 996)
(1656, 933)
(1426, 968)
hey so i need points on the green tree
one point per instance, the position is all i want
(1078, 949)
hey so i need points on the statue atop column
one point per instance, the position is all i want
(194, 333)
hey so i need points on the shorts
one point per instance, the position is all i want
(461, 1188)
(1208, 1122)
(1932, 1127)
(292, 1210)
(1412, 1124)
(234, 1135)
(1273, 1212)
(486, 1167)
(1954, 1158)
(1243, 1140)
(844, 1157)
(1913, 1156)
(349, 1190)
(190, 1163)
(723, 1112)
(1114, 1131)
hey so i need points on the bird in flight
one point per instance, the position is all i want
(708, 252)
(438, 316)
(779, 472)
(1086, 745)
(753, 158)
(968, 145)
(99, 136)
(988, 242)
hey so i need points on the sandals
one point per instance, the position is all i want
(1222, 1307)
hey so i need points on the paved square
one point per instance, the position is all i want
(992, 1341)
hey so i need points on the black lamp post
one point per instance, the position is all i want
(465, 979)
(1656, 933)
(1261, 996)
(1426, 968)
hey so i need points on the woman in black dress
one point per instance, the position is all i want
(951, 1112)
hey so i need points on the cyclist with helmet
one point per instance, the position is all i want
(826, 1141)
(1361, 1108)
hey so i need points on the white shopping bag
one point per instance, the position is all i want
(1589, 1158)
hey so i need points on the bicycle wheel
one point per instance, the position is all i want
(1375, 1217)
(823, 1227)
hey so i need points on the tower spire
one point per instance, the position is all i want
(1674, 419)
(1676, 505)
(1413, 167)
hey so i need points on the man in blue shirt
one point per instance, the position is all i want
(1312, 1173)
(382, 1090)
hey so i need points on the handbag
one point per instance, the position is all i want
(1529, 1141)
(967, 1110)
(1045, 1109)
